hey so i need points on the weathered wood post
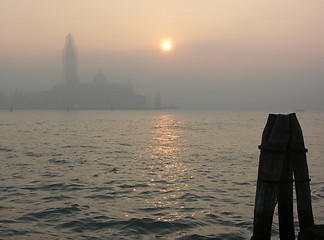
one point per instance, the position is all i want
(274, 142)
(283, 155)
(285, 201)
(298, 157)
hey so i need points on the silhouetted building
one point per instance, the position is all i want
(98, 94)
(100, 78)
(157, 101)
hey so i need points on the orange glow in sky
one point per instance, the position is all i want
(167, 45)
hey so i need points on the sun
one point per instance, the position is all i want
(166, 45)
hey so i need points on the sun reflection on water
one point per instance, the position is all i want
(167, 171)
(166, 147)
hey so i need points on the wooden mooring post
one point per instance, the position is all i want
(283, 162)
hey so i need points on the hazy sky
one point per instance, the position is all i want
(228, 53)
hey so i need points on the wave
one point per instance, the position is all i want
(228, 236)
(51, 214)
(56, 187)
(133, 225)
(2, 149)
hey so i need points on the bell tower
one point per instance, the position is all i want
(70, 61)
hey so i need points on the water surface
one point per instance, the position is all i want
(138, 174)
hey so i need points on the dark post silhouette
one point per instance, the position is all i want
(300, 169)
(283, 155)
(274, 141)
(285, 201)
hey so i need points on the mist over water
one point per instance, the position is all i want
(137, 174)
(214, 76)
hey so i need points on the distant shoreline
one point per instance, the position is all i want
(75, 109)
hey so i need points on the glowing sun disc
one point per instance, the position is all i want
(166, 45)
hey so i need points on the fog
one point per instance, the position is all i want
(272, 61)
(207, 76)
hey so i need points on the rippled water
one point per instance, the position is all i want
(137, 174)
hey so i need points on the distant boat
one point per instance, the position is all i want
(300, 110)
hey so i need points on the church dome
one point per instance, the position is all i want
(100, 78)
